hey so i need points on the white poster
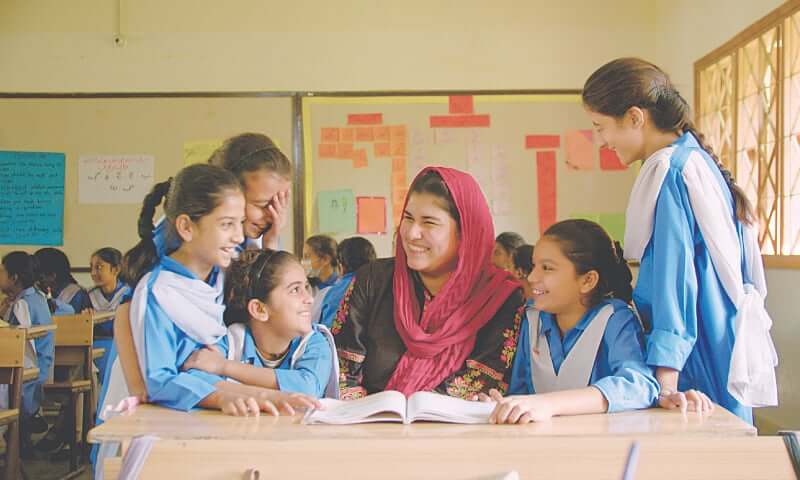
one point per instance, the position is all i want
(114, 178)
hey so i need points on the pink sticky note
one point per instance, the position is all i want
(364, 134)
(546, 183)
(579, 150)
(371, 214)
(330, 135)
(610, 161)
(327, 150)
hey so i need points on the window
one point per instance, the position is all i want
(747, 101)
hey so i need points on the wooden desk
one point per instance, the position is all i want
(39, 331)
(667, 458)
(102, 317)
(208, 424)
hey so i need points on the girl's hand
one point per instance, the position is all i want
(520, 409)
(207, 359)
(89, 310)
(290, 403)
(690, 400)
(242, 405)
(279, 211)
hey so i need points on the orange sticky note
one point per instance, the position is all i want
(397, 133)
(344, 150)
(399, 164)
(327, 150)
(579, 148)
(371, 214)
(398, 180)
(382, 149)
(360, 158)
(346, 134)
(398, 148)
(330, 135)
(381, 134)
(364, 134)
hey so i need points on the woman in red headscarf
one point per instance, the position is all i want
(439, 316)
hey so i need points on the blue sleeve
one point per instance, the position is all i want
(311, 372)
(674, 302)
(81, 301)
(166, 384)
(520, 383)
(630, 383)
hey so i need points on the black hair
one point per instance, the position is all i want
(53, 261)
(323, 245)
(249, 152)
(523, 260)
(355, 252)
(195, 191)
(21, 266)
(255, 274)
(432, 183)
(589, 247)
(110, 255)
(510, 241)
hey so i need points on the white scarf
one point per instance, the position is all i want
(192, 304)
(101, 303)
(68, 293)
(751, 379)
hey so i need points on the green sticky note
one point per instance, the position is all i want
(337, 211)
(586, 216)
(614, 223)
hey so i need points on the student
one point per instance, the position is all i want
(177, 303)
(523, 265)
(265, 175)
(353, 253)
(271, 341)
(56, 280)
(26, 306)
(504, 246)
(580, 349)
(701, 283)
(106, 296)
(321, 261)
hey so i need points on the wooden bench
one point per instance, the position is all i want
(12, 364)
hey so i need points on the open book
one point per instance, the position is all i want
(392, 406)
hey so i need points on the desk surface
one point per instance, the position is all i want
(102, 317)
(207, 424)
(471, 458)
(39, 330)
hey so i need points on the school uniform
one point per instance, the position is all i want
(328, 300)
(29, 309)
(603, 350)
(309, 366)
(700, 279)
(104, 332)
(74, 295)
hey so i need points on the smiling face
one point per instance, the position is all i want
(214, 237)
(555, 285)
(260, 187)
(429, 236)
(289, 303)
(103, 273)
(622, 135)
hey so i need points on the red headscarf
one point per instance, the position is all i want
(438, 344)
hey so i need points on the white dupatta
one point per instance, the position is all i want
(751, 379)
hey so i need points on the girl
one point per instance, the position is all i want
(701, 284)
(353, 253)
(26, 306)
(55, 279)
(504, 246)
(271, 341)
(106, 296)
(320, 261)
(177, 303)
(580, 349)
(523, 266)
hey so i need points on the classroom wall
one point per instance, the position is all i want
(205, 45)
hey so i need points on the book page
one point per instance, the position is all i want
(387, 406)
(434, 407)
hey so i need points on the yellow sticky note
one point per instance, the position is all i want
(199, 151)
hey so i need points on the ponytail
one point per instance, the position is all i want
(142, 258)
(620, 278)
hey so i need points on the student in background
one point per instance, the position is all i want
(353, 253)
(265, 175)
(56, 280)
(701, 283)
(271, 341)
(106, 296)
(523, 265)
(320, 261)
(580, 349)
(26, 306)
(504, 246)
(177, 303)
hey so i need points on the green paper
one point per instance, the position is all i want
(337, 211)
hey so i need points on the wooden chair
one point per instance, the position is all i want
(12, 364)
(73, 342)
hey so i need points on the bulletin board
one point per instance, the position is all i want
(112, 148)
(535, 157)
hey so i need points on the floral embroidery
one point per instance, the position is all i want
(491, 373)
(511, 336)
(348, 384)
(465, 386)
(351, 356)
(343, 311)
(352, 393)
